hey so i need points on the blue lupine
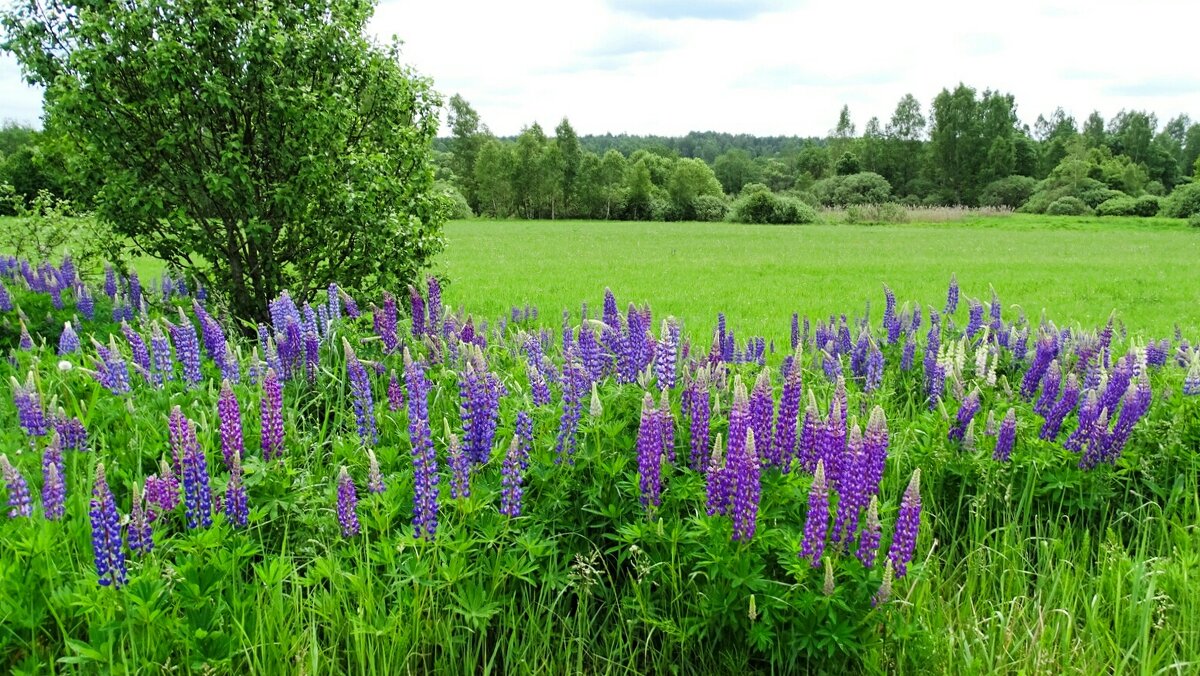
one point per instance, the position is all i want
(19, 502)
(111, 370)
(512, 477)
(187, 348)
(762, 414)
(649, 453)
(106, 533)
(197, 491)
(425, 473)
(784, 447)
(1005, 437)
(870, 534)
(271, 411)
(966, 413)
(30, 415)
(816, 522)
(1059, 410)
(364, 402)
(575, 388)
(666, 353)
(699, 410)
(347, 504)
(230, 416)
(951, 296)
(68, 341)
(908, 523)
(141, 534)
(54, 489)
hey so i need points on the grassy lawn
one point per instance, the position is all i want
(1074, 269)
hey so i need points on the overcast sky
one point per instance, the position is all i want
(777, 67)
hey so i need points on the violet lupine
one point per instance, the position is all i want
(187, 348)
(110, 281)
(1118, 383)
(141, 535)
(30, 415)
(575, 388)
(19, 502)
(385, 319)
(1089, 410)
(347, 504)
(717, 480)
(230, 416)
(434, 307)
(1051, 382)
(795, 334)
(237, 513)
(908, 523)
(1005, 437)
(54, 489)
(86, 304)
(870, 534)
(909, 352)
(26, 341)
(71, 432)
(666, 353)
(360, 392)
(875, 448)
(784, 447)
(68, 341)
(851, 486)
(874, 368)
(197, 491)
(974, 319)
(951, 296)
(649, 453)
(417, 310)
(460, 467)
(966, 414)
(1058, 412)
(6, 304)
(106, 533)
(162, 490)
(375, 482)
(111, 370)
(512, 477)
(816, 522)
(884, 594)
(211, 333)
(425, 472)
(806, 445)
(160, 355)
(1045, 353)
(523, 429)
(141, 353)
(699, 413)
(395, 394)
(666, 427)
(890, 323)
(746, 480)
(762, 414)
(479, 394)
(135, 291)
(231, 369)
(537, 384)
(272, 416)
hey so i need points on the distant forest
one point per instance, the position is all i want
(968, 148)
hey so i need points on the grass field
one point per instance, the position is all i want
(1076, 269)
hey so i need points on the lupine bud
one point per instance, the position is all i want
(236, 511)
(19, 503)
(1006, 436)
(347, 505)
(870, 534)
(68, 342)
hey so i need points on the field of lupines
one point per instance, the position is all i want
(391, 485)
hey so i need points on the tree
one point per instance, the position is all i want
(1093, 130)
(734, 169)
(956, 142)
(467, 136)
(571, 153)
(611, 179)
(907, 123)
(492, 170)
(691, 179)
(259, 146)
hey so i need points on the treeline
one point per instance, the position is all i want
(969, 148)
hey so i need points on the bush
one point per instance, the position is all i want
(757, 204)
(459, 208)
(1095, 196)
(710, 208)
(876, 213)
(1118, 206)
(1147, 206)
(1068, 206)
(1010, 192)
(1194, 220)
(1183, 202)
(861, 188)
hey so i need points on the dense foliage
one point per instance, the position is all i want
(259, 146)
(375, 492)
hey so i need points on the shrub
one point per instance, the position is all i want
(710, 208)
(1068, 206)
(1194, 220)
(1118, 206)
(1095, 196)
(757, 204)
(876, 213)
(861, 188)
(791, 211)
(1011, 192)
(459, 208)
(1147, 206)
(1183, 202)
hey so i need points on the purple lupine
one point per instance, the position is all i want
(86, 304)
(479, 394)
(460, 467)
(111, 370)
(875, 448)
(746, 480)
(19, 503)
(966, 413)
(395, 394)
(523, 429)
(197, 491)
(537, 384)
(762, 414)
(1118, 383)
(434, 307)
(1051, 382)
(272, 416)
(160, 355)
(141, 534)
(162, 490)
(333, 302)
(54, 489)
(141, 354)
(231, 369)
(30, 415)
(187, 348)
(110, 281)
(1058, 412)
(951, 296)
(1093, 440)
(1005, 437)
(425, 472)
(6, 304)
(870, 534)
(795, 334)
(649, 451)
(26, 341)
(68, 341)
(1046, 352)
(135, 291)
(874, 368)
(666, 353)
(211, 333)
(890, 323)
(512, 473)
(699, 412)
(575, 388)
(908, 522)
(106, 533)
(974, 319)
(816, 522)
(1089, 410)
(347, 504)
(851, 486)
(717, 480)
(230, 416)
(806, 445)
(237, 513)
(385, 322)
(374, 475)
(417, 310)
(360, 391)
(666, 427)
(71, 432)
(910, 350)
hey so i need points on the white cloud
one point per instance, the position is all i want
(778, 67)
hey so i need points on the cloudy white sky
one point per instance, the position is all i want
(777, 66)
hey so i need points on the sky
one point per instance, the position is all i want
(776, 66)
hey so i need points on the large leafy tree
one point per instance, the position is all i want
(259, 145)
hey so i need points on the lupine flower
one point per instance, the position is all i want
(187, 348)
(1046, 351)
(575, 388)
(512, 473)
(26, 340)
(479, 394)
(236, 512)
(347, 505)
(1006, 436)
(649, 447)
(374, 475)
(974, 319)
(699, 412)
(434, 307)
(54, 489)
(806, 446)
(425, 473)
(19, 503)
(596, 409)
(68, 342)
(885, 587)
(762, 414)
(272, 417)
(870, 534)
(523, 429)
(747, 488)
(106, 533)
(1051, 382)
(71, 432)
(951, 296)
(160, 355)
(30, 415)
(460, 467)
(6, 304)
(908, 522)
(717, 480)
(537, 385)
(1058, 412)
(665, 354)
(816, 523)
(197, 493)
(417, 309)
(395, 394)
(364, 403)
(966, 414)
(230, 416)
(851, 482)
(874, 368)
(141, 535)
(1191, 382)
(86, 304)
(162, 490)
(111, 370)
(385, 322)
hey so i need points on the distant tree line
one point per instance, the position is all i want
(969, 148)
